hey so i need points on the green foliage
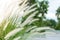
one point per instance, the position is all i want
(10, 28)
(58, 17)
(58, 13)
(15, 26)
(42, 8)
(51, 23)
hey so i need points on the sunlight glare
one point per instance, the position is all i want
(6, 7)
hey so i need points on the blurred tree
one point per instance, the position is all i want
(58, 14)
(51, 23)
(57, 26)
(42, 7)
(58, 17)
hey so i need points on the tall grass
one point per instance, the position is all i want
(16, 24)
